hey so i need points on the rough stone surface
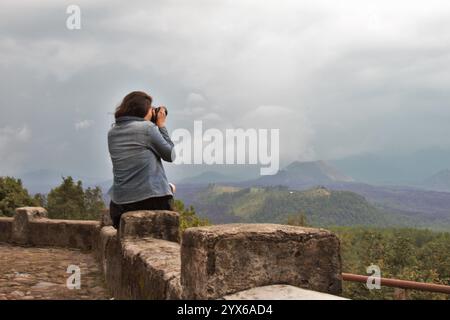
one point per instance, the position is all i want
(105, 219)
(63, 233)
(224, 259)
(5, 229)
(106, 235)
(142, 260)
(22, 218)
(28, 273)
(150, 269)
(159, 224)
(109, 255)
(281, 292)
(31, 226)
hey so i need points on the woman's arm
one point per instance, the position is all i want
(160, 143)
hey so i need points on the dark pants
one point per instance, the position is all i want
(156, 203)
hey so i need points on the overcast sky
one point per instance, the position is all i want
(337, 77)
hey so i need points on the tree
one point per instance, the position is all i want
(41, 199)
(407, 254)
(188, 217)
(13, 195)
(298, 220)
(400, 254)
(70, 201)
(93, 201)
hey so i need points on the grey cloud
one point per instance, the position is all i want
(339, 79)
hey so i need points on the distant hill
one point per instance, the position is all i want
(427, 208)
(208, 177)
(302, 174)
(416, 206)
(404, 168)
(322, 207)
(440, 181)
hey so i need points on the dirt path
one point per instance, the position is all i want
(40, 273)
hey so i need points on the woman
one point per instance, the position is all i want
(136, 146)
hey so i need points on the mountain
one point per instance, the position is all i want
(321, 206)
(403, 168)
(430, 207)
(415, 206)
(208, 177)
(440, 181)
(302, 174)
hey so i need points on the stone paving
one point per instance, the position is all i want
(29, 273)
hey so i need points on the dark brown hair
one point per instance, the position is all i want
(136, 103)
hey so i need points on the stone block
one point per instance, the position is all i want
(159, 224)
(5, 229)
(105, 219)
(224, 259)
(150, 269)
(79, 234)
(21, 221)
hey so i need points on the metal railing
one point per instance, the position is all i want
(403, 284)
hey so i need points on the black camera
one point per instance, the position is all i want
(155, 115)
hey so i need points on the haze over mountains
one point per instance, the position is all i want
(407, 168)
(418, 197)
(439, 181)
(410, 168)
(42, 181)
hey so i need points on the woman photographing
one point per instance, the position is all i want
(138, 142)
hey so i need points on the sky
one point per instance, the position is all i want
(338, 78)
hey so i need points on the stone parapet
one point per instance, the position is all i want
(224, 259)
(145, 260)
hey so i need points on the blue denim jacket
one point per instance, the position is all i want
(136, 147)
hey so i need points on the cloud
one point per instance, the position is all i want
(336, 78)
(83, 124)
(13, 148)
(295, 130)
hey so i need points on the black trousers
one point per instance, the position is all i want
(156, 203)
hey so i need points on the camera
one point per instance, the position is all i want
(155, 116)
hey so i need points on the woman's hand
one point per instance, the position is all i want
(161, 117)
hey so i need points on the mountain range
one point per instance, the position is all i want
(321, 206)
(412, 205)
(425, 201)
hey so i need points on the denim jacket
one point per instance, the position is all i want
(136, 147)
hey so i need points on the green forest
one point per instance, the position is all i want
(323, 207)
(402, 253)
(70, 200)
(406, 254)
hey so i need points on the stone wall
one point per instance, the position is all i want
(145, 259)
(30, 226)
(142, 259)
(225, 259)
(5, 229)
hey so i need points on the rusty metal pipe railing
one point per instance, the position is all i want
(396, 283)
